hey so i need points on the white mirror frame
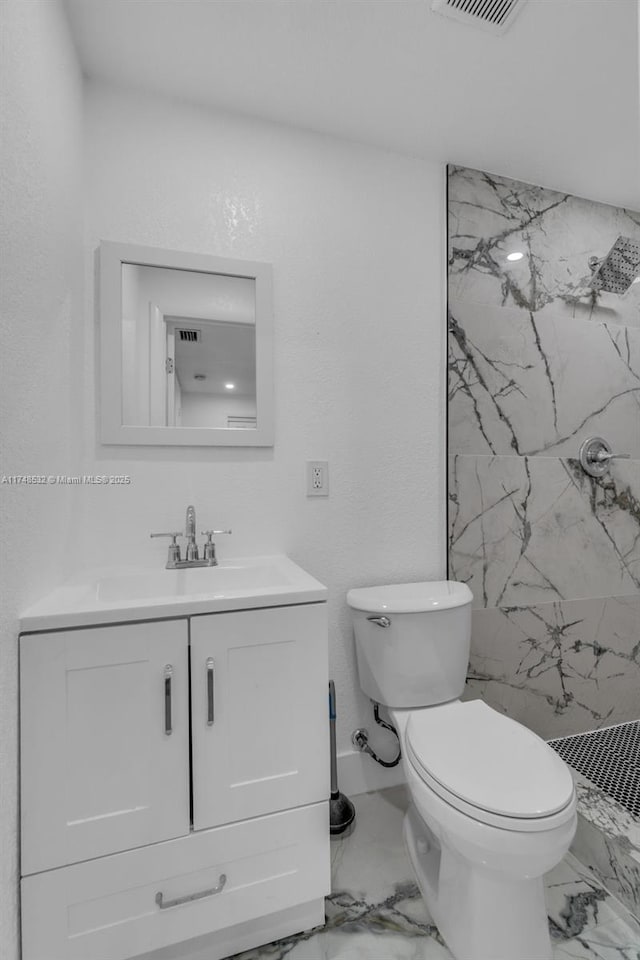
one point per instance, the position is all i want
(112, 256)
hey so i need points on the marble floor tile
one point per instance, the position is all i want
(365, 946)
(303, 946)
(375, 911)
(376, 841)
(615, 941)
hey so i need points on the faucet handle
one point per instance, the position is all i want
(174, 549)
(210, 547)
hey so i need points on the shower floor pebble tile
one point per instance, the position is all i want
(375, 911)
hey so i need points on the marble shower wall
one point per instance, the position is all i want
(537, 365)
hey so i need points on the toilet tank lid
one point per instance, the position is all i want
(428, 595)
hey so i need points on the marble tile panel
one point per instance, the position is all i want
(527, 530)
(608, 842)
(610, 817)
(525, 384)
(576, 900)
(491, 216)
(559, 668)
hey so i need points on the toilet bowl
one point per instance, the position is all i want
(492, 806)
(480, 840)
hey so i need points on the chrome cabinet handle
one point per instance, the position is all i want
(380, 621)
(168, 674)
(167, 904)
(210, 691)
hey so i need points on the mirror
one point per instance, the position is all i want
(186, 348)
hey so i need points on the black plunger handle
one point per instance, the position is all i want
(332, 733)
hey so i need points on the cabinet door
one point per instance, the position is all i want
(104, 741)
(259, 705)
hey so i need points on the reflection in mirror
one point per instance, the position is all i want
(188, 348)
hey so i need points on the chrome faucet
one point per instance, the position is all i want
(192, 558)
(190, 534)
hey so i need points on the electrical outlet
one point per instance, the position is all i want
(317, 478)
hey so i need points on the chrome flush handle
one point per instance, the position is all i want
(380, 621)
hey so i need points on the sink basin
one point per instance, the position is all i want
(124, 594)
(221, 581)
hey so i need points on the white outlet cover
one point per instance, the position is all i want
(317, 478)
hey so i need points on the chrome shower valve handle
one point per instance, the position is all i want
(595, 456)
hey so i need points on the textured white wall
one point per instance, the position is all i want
(41, 356)
(356, 239)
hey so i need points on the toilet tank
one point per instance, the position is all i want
(412, 641)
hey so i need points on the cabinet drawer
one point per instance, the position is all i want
(107, 909)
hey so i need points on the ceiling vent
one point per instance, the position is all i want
(492, 15)
(189, 336)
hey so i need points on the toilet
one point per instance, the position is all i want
(493, 807)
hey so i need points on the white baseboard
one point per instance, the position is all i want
(359, 773)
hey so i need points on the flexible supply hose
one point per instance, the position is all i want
(361, 740)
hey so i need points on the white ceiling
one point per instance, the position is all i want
(226, 353)
(554, 101)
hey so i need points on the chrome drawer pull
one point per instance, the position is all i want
(168, 673)
(165, 904)
(210, 691)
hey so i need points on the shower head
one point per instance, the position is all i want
(616, 272)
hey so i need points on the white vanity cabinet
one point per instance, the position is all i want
(174, 782)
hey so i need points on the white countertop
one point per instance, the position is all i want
(123, 594)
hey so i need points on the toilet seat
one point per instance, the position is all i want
(489, 766)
